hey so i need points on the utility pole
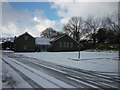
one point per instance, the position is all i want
(119, 37)
(79, 52)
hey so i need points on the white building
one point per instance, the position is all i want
(42, 43)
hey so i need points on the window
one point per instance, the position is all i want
(26, 37)
(25, 47)
(67, 44)
(71, 45)
(64, 44)
(60, 44)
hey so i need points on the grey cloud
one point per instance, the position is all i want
(96, 9)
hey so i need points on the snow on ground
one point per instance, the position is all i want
(44, 80)
(7, 51)
(94, 61)
(11, 79)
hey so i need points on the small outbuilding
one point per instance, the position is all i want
(42, 44)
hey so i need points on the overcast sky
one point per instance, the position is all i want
(18, 17)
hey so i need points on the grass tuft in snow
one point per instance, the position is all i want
(8, 80)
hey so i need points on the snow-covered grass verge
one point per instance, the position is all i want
(94, 61)
(11, 79)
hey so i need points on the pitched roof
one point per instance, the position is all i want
(26, 33)
(54, 38)
(62, 35)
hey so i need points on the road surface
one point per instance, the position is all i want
(67, 77)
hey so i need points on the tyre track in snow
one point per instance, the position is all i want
(94, 81)
(51, 83)
(27, 79)
(60, 75)
(75, 75)
(89, 83)
(79, 71)
(67, 68)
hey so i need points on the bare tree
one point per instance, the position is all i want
(49, 32)
(75, 28)
(92, 25)
(113, 23)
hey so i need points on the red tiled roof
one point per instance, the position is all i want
(57, 36)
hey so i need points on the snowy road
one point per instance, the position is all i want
(45, 74)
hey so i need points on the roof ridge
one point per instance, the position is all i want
(25, 33)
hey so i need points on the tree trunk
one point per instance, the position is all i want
(119, 50)
(94, 38)
(79, 53)
(94, 41)
(119, 54)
